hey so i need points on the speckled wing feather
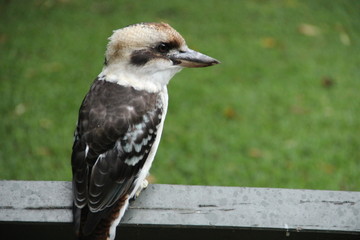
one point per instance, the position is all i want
(116, 129)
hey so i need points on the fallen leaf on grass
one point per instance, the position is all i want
(345, 39)
(43, 151)
(269, 42)
(229, 113)
(255, 153)
(20, 109)
(327, 82)
(309, 30)
(327, 168)
(343, 35)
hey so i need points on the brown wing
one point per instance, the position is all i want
(116, 129)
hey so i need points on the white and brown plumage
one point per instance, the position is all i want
(121, 121)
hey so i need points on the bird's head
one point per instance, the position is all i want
(151, 51)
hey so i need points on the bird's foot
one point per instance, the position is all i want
(143, 185)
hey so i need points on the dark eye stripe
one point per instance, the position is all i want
(141, 57)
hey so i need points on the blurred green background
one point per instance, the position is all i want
(282, 110)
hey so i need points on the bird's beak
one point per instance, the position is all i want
(192, 59)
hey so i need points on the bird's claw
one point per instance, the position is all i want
(143, 185)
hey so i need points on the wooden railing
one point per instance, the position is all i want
(42, 210)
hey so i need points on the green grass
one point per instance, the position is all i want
(282, 110)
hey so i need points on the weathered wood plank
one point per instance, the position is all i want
(191, 211)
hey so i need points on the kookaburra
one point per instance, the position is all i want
(120, 123)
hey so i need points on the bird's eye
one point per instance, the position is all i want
(163, 47)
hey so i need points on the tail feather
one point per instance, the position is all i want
(96, 226)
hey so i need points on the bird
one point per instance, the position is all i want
(120, 123)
